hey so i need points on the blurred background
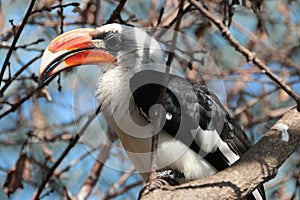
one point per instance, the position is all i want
(37, 126)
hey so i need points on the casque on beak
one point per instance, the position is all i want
(72, 49)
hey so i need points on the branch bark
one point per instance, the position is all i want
(258, 165)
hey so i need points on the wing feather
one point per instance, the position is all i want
(194, 116)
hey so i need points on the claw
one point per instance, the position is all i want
(164, 178)
(159, 183)
(169, 174)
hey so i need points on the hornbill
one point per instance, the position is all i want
(197, 136)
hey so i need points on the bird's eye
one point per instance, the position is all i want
(113, 41)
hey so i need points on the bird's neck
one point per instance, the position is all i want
(117, 76)
(109, 84)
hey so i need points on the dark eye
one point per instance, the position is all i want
(113, 41)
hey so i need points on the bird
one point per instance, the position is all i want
(197, 137)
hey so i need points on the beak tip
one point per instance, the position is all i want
(41, 79)
(48, 65)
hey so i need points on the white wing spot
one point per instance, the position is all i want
(168, 116)
(283, 128)
(210, 140)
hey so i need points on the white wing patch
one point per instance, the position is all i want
(230, 155)
(257, 195)
(210, 140)
(174, 154)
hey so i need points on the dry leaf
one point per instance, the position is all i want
(16, 174)
(283, 96)
(44, 93)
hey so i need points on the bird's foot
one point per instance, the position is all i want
(169, 174)
(164, 178)
(158, 183)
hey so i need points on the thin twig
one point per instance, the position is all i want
(72, 143)
(49, 9)
(161, 12)
(24, 46)
(116, 13)
(75, 161)
(24, 99)
(15, 76)
(14, 42)
(113, 189)
(61, 16)
(249, 55)
(94, 174)
(238, 111)
(186, 8)
(124, 189)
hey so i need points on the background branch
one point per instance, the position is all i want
(249, 55)
(15, 40)
(94, 173)
(71, 144)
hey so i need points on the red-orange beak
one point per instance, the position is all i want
(72, 49)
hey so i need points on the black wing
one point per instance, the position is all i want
(190, 110)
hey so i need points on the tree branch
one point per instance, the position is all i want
(14, 42)
(116, 14)
(249, 55)
(94, 174)
(71, 144)
(258, 165)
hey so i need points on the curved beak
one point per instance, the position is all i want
(72, 49)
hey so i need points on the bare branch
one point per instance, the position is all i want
(74, 4)
(15, 76)
(258, 165)
(72, 143)
(113, 189)
(249, 55)
(116, 14)
(124, 189)
(95, 171)
(14, 42)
